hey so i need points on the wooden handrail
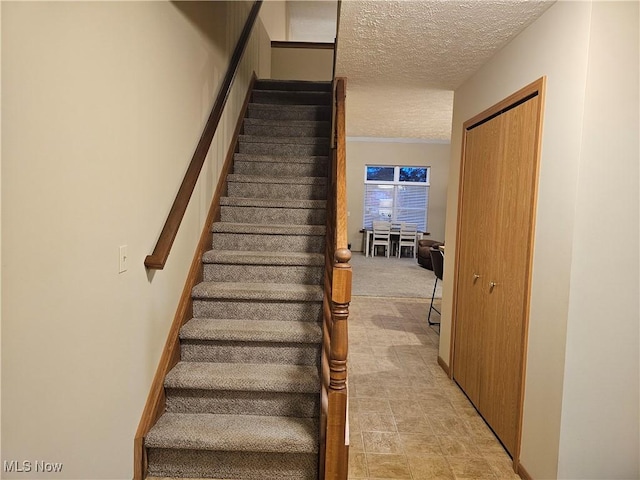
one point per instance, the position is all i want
(341, 166)
(158, 258)
(335, 40)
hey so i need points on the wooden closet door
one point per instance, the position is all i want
(477, 229)
(494, 257)
(504, 327)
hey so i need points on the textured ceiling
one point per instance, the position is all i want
(403, 59)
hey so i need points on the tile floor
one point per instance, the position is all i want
(407, 419)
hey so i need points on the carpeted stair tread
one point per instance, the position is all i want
(258, 291)
(239, 433)
(285, 123)
(272, 203)
(268, 228)
(251, 330)
(284, 140)
(248, 157)
(243, 377)
(234, 257)
(234, 177)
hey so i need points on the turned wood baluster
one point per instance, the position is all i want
(337, 453)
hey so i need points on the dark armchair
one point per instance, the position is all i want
(424, 254)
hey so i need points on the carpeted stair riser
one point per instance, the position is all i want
(289, 112)
(285, 169)
(283, 97)
(293, 85)
(232, 465)
(264, 273)
(305, 405)
(294, 140)
(277, 310)
(277, 190)
(245, 157)
(245, 352)
(277, 129)
(273, 202)
(284, 149)
(265, 243)
(299, 216)
(252, 389)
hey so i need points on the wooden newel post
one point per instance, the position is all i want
(337, 452)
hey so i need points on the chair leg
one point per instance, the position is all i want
(431, 307)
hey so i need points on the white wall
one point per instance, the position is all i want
(103, 105)
(566, 43)
(0, 228)
(599, 435)
(274, 17)
(556, 45)
(377, 152)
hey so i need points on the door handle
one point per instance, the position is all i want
(475, 277)
(492, 285)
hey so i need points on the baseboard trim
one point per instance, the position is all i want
(520, 470)
(443, 366)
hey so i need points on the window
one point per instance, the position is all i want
(396, 194)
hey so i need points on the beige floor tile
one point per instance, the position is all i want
(355, 442)
(377, 422)
(370, 390)
(374, 405)
(471, 468)
(413, 424)
(405, 393)
(502, 467)
(358, 465)
(408, 419)
(404, 407)
(431, 467)
(420, 444)
(388, 466)
(448, 424)
(354, 422)
(459, 446)
(381, 442)
(490, 446)
(358, 348)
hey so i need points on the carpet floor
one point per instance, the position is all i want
(392, 277)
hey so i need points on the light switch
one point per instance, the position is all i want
(123, 259)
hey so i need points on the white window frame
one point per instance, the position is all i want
(394, 184)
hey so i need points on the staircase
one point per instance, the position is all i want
(243, 402)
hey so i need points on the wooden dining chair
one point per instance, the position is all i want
(407, 238)
(381, 237)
